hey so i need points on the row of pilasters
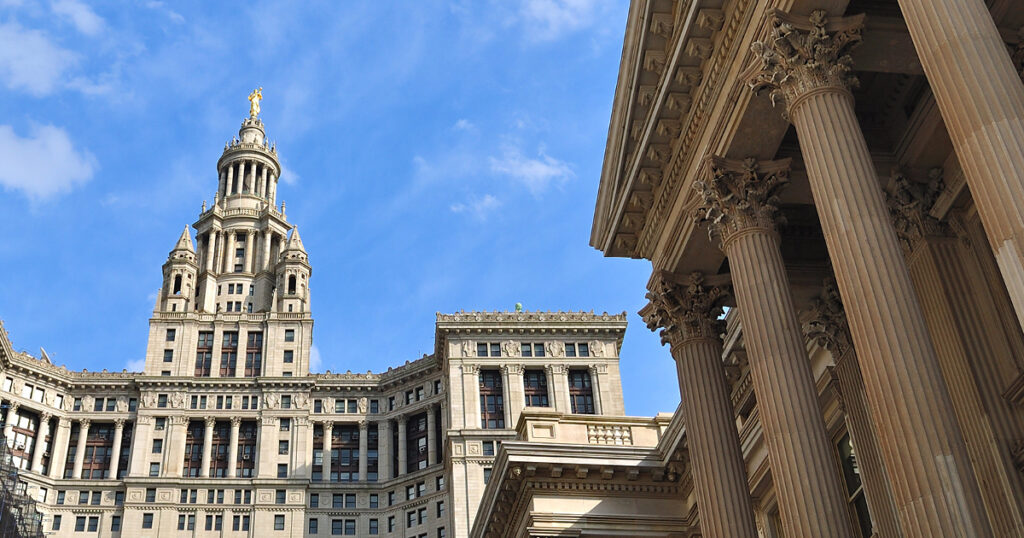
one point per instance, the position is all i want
(219, 249)
(246, 176)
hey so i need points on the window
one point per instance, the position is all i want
(160, 423)
(374, 500)
(440, 508)
(488, 448)
(289, 356)
(481, 350)
(279, 522)
(280, 496)
(339, 405)
(314, 500)
(570, 350)
(391, 403)
(97, 405)
(350, 527)
(421, 489)
(286, 402)
(168, 355)
(581, 392)
(165, 373)
(115, 523)
(56, 522)
(535, 386)
(583, 349)
(410, 493)
(419, 393)
(391, 498)
(318, 406)
(97, 496)
(350, 500)
(151, 495)
(170, 335)
(337, 500)
(374, 527)
(60, 496)
(252, 290)
(336, 526)
(154, 469)
(94, 523)
(421, 515)
(282, 447)
(282, 470)
(286, 424)
(492, 405)
(437, 386)
(410, 519)
(80, 524)
(374, 406)
(314, 526)
(78, 404)
(254, 354)
(118, 498)
(487, 474)
(209, 522)
(133, 404)
(289, 335)
(440, 532)
(391, 523)
(147, 520)
(352, 406)
(439, 483)
(158, 446)
(854, 488)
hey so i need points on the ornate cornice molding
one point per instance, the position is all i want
(801, 55)
(910, 204)
(739, 195)
(827, 324)
(684, 311)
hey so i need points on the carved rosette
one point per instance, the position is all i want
(684, 312)
(909, 205)
(827, 323)
(802, 55)
(740, 195)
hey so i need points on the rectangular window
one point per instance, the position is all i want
(168, 355)
(286, 424)
(171, 333)
(119, 498)
(80, 524)
(151, 495)
(160, 423)
(282, 447)
(254, 354)
(279, 522)
(391, 498)
(209, 522)
(439, 483)
(289, 335)
(410, 519)
(339, 405)
(314, 500)
(350, 500)
(374, 406)
(437, 386)
(133, 404)
(487, 474)
(337, 500)
(98, 405)
(374, 527)
(314, 526)
(535, 386)
(154, 469)
(115, 523)
(481, 349)
(421, 515)
(352, 406)
(318, 406)
(373, 500)
(391, 523)
(147, 520)
(421, 489)
(336, 526)
(282, 470)
(488, 448)
(350, 527)
(391, 403)
(410, 493)
(583, 349)
(289, 356)
(492, 405)
(279, 497)
(78, 403)
(581, 392)
(158, 446)
(440, 508)
(570, 350)
(854, 488)
(94, 523)
(495, 349)
(56, 522)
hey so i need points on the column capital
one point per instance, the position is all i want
(210, 422)
(802, 55)
(178, 420)
(45, 417)
(13, 407)
(910, 203)
(827, 324)
(236, 422)
(84, 423)
(364, 424)
(63, 422)
(328, 424)
(683, 311)
(739, 195)
(119, 423)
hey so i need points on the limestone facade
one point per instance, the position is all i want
(845, 178)
(227, 432)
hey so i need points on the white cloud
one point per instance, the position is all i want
(30, 61)
(43, 164)
(137, 365)
(479, 208)
(464, 125)
(288, 176)
(546, 20)
(537, 174)
(315, 361)
(171, 14)
(80, 15)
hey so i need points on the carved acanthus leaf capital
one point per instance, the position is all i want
(119, 423)
(827, 323)
(739, 195)
(800, 55)
(84, 424)
(684, 311)
(236, 422)
(910, 203)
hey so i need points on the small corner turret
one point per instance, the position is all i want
(180, 273)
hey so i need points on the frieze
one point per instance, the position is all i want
(548, 316)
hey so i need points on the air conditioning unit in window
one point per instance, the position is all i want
(245, 456)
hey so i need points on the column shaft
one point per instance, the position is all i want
(249, 243)
(933, 483)
(384, 450)
(263, 183)
(37, 449)
(328, 447)
(59, 451)
(204, 469)
(83, 433)
(403, 451)
(811, 499)
(231, 181)
(431, 436)
(719, 474)
(226, 250)
(9, 420)
(236, 424)
(211, 239)
(363, 447)
(115, 452)
(982, 102)
(266, 249)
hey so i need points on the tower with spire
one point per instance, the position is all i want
(242, 292)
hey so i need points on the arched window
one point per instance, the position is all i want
(177, 285)
(291, 284)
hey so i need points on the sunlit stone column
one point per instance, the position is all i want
(250, 237)
(227, 248)
(59, 456)
(383, 450)
(688, 316)
(83, 433)
(828, 327)
(267, 235)
(115, 452)
(403, 451)
(431, 435)
(739, 203)
(9, 420)
(328, 446)
(979, 93)
(211, 240)
(37, 449)
(204, 469)
(363, 447)
(231, 181)
(806, 64)
(236, 424)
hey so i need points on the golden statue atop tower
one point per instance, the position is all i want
(254, 102)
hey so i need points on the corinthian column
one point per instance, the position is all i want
(204, 469)
(9, 420)
(37, 447)
(827, 325)
(83, 434)
(979, 93)
(384, 451)
(115, 452)
(688, 316)
(250, 237)
(806, 64)
(403, 451)
(236, 423)
(363, 447)
(740, 204)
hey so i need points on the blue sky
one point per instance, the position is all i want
(438, 156)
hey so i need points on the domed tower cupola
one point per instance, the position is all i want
(180, 270)
(293, 272)
(248, 168)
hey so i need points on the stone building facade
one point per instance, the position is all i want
(227, 432)
(847, 178)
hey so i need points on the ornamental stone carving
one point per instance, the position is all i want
(909, 205)
(119, 423)
(596, 348)
(210, 422)
(149, 400)
(301, 400)
(509, 348)
(179, 420)
(271, 401)
(739, 195)
(684, 311)
(467, 348)
(236, 422)
(827, 323)
(801, 55)
(49, 398)
(555, 349)
(122, 404)
(178, 400)
(472, 369)
(363, 405)
(84, 424)
(88, 402)
(45, 417)
(144, 419)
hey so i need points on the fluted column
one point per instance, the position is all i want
(59, 450)
(236, 424)
(431, 436)
(328, 446)
(595, 384)
(739, 204)
(204, 469)
(263, 183)
(249, 243)
(363, 447)
(226, 250)
(827, 326)
(37, 449)
(934, 257)
(403, 452)
(267, 234)
(933, 483)
(384, 450)
(115, 452)
(979, 93)
(9, 420)
(83, 433)
(688, 316)
(231, 181)
(211, 240)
